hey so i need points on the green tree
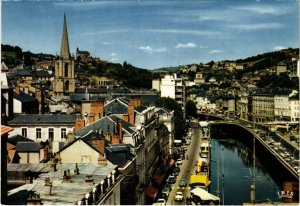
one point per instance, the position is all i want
(171, 104)
(191, 109)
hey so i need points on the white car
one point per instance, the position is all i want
(160, 201)
(187, 142)
(179, 196)
(179, 161)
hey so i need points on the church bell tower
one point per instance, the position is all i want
(64, 82)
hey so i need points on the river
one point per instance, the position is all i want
(236, 160)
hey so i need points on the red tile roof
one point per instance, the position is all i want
(5, 129)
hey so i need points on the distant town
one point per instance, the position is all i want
(81, 130)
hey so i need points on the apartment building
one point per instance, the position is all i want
(173, 87)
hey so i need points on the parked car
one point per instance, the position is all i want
(182, 156)
(179, 196)
(164, 195)
(187, 141)
(171, 179)
(167, 189)
(176, 171)
(203, 155)
(179, 161)
(160, 201)
(183, 183)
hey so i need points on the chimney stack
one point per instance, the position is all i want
(17, 89)
(131, 112)
(91, 118)
(79, 124)
(107, 135)
(97, 108)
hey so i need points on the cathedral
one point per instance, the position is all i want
(64, 82)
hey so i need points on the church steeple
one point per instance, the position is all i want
(64, 49)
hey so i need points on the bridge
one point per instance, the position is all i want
(266, 144)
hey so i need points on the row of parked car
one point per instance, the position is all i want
(163, 197)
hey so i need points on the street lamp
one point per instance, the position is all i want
(223, 198)
(218, 186)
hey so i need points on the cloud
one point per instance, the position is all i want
(187, 45)
(279, 47)
(215, 51)
(261, 26)
(106, 32)
(107, 43)
(178, 31)
(113, 54)
(261, 9)
(150, 50)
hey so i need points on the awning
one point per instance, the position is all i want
(157, 179)
(170, 162)
(204, 195)
(151, 192)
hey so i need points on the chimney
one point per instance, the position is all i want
(126, 117)
(115, 139)
(102, 160)
(113, 173)
(91, 118)
(99, 143)
(47, 181)
(45, 152)
(79, 124)
(17, 90)
(107, 135)
(131, 112)
(76, 170)
(98, 109)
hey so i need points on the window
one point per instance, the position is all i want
(51, 134)
(63, 133)
(24, 132)
(38, 133)
(66, 69)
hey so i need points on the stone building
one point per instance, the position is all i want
(64, 82)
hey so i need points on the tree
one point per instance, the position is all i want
(191, 109)
(171, 104)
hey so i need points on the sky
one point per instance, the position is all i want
(151, 33)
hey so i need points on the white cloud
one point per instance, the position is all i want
(148, 49)
(260, 26)
(260, 9)
(113, 54)
(106, 32)
(187, 45)
(177, 31)
(215, 51)
(107, 43)
(279, 48)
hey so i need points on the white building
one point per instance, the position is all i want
(295, 107)
(156, 84)
(173, 87)
(40, 128)
(204, 104)
(282, 107)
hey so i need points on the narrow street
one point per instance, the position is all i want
(187, 168)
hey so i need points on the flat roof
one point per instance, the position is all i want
(63, 193)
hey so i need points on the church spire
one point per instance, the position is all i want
(64, 49)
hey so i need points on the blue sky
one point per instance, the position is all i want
(152, 34)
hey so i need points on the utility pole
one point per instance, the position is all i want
(223, 195)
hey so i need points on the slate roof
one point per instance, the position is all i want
(41, 73)
(42, 119)
(23, 72)
(18, 138)
(162, 110)
(23, 97)
(104, 124)
(120, 106)
(86, 97)
(116, 106)
(118, 154)
(28, 147)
